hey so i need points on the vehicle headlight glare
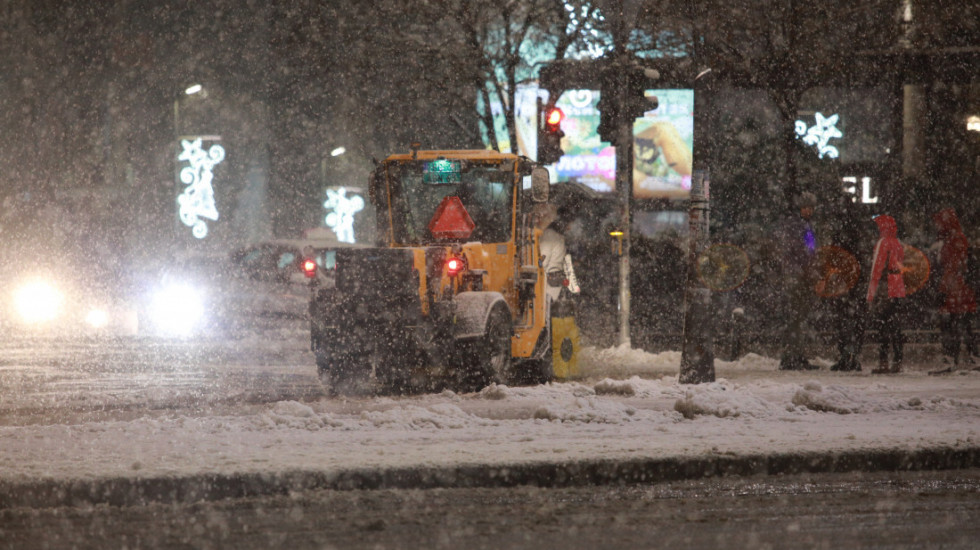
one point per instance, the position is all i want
(97, 318)
(177, 309)
(38, 302)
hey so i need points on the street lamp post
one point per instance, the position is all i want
(697, 346)
(334, 153)
(195, 196)
(190, 90)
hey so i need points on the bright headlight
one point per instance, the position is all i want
(97, 318)
(177, 309)
(38, 301)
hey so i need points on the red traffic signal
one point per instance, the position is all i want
(550, 134)
(553, 119)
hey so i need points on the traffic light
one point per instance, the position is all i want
(621, 101)
(637, 103)
(550, 134)
(608, 116)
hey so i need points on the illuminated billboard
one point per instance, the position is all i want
(662, 147)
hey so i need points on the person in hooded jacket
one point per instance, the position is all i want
(850, 319)
(886, 294)
(959, 303)
(800, 273)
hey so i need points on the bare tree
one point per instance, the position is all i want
(504, 42)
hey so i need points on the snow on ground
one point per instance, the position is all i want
(627, 404)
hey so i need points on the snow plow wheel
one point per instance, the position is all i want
(488, 359)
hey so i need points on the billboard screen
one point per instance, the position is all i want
(662, 146)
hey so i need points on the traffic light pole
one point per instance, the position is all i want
(622, 100)
(624, 184)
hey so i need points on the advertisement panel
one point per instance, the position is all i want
(662, 151)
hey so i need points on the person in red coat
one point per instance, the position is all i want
(887, 297)
(959, 303)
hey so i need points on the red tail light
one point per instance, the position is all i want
(454, 266)
(309, 268)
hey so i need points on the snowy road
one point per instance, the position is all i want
(136, 410)
(908, 510)
(46, 381)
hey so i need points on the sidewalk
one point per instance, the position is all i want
(626, 420)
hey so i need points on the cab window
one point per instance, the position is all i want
(485, 190)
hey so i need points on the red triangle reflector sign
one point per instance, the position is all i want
(451, 220)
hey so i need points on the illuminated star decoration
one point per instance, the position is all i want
(341, 216)
(197, 200)
(820, 134)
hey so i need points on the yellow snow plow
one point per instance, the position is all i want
(453, 295)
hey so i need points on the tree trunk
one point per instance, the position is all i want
(487, 117)
(788, 100)
(509, 109)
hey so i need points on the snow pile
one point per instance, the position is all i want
(439, 416)
(836, 399)
(723, 399)
(570, 402)
(615, 387)
(847, 400)
(623, 361)
(588, 410)
(495, 392)
(292, 415)
(296, 415)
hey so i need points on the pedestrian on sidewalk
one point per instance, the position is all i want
(850, 317)
(800, 273)
(959, 303)
(886, 299)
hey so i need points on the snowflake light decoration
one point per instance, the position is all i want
(197, 200)
(820, 134)
(342, 208)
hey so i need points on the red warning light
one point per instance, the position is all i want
(454, 266)
(309, 268)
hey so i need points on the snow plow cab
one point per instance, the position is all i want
(453, 295)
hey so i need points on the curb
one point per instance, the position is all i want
(48, 493)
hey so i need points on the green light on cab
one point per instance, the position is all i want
(441, 171)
